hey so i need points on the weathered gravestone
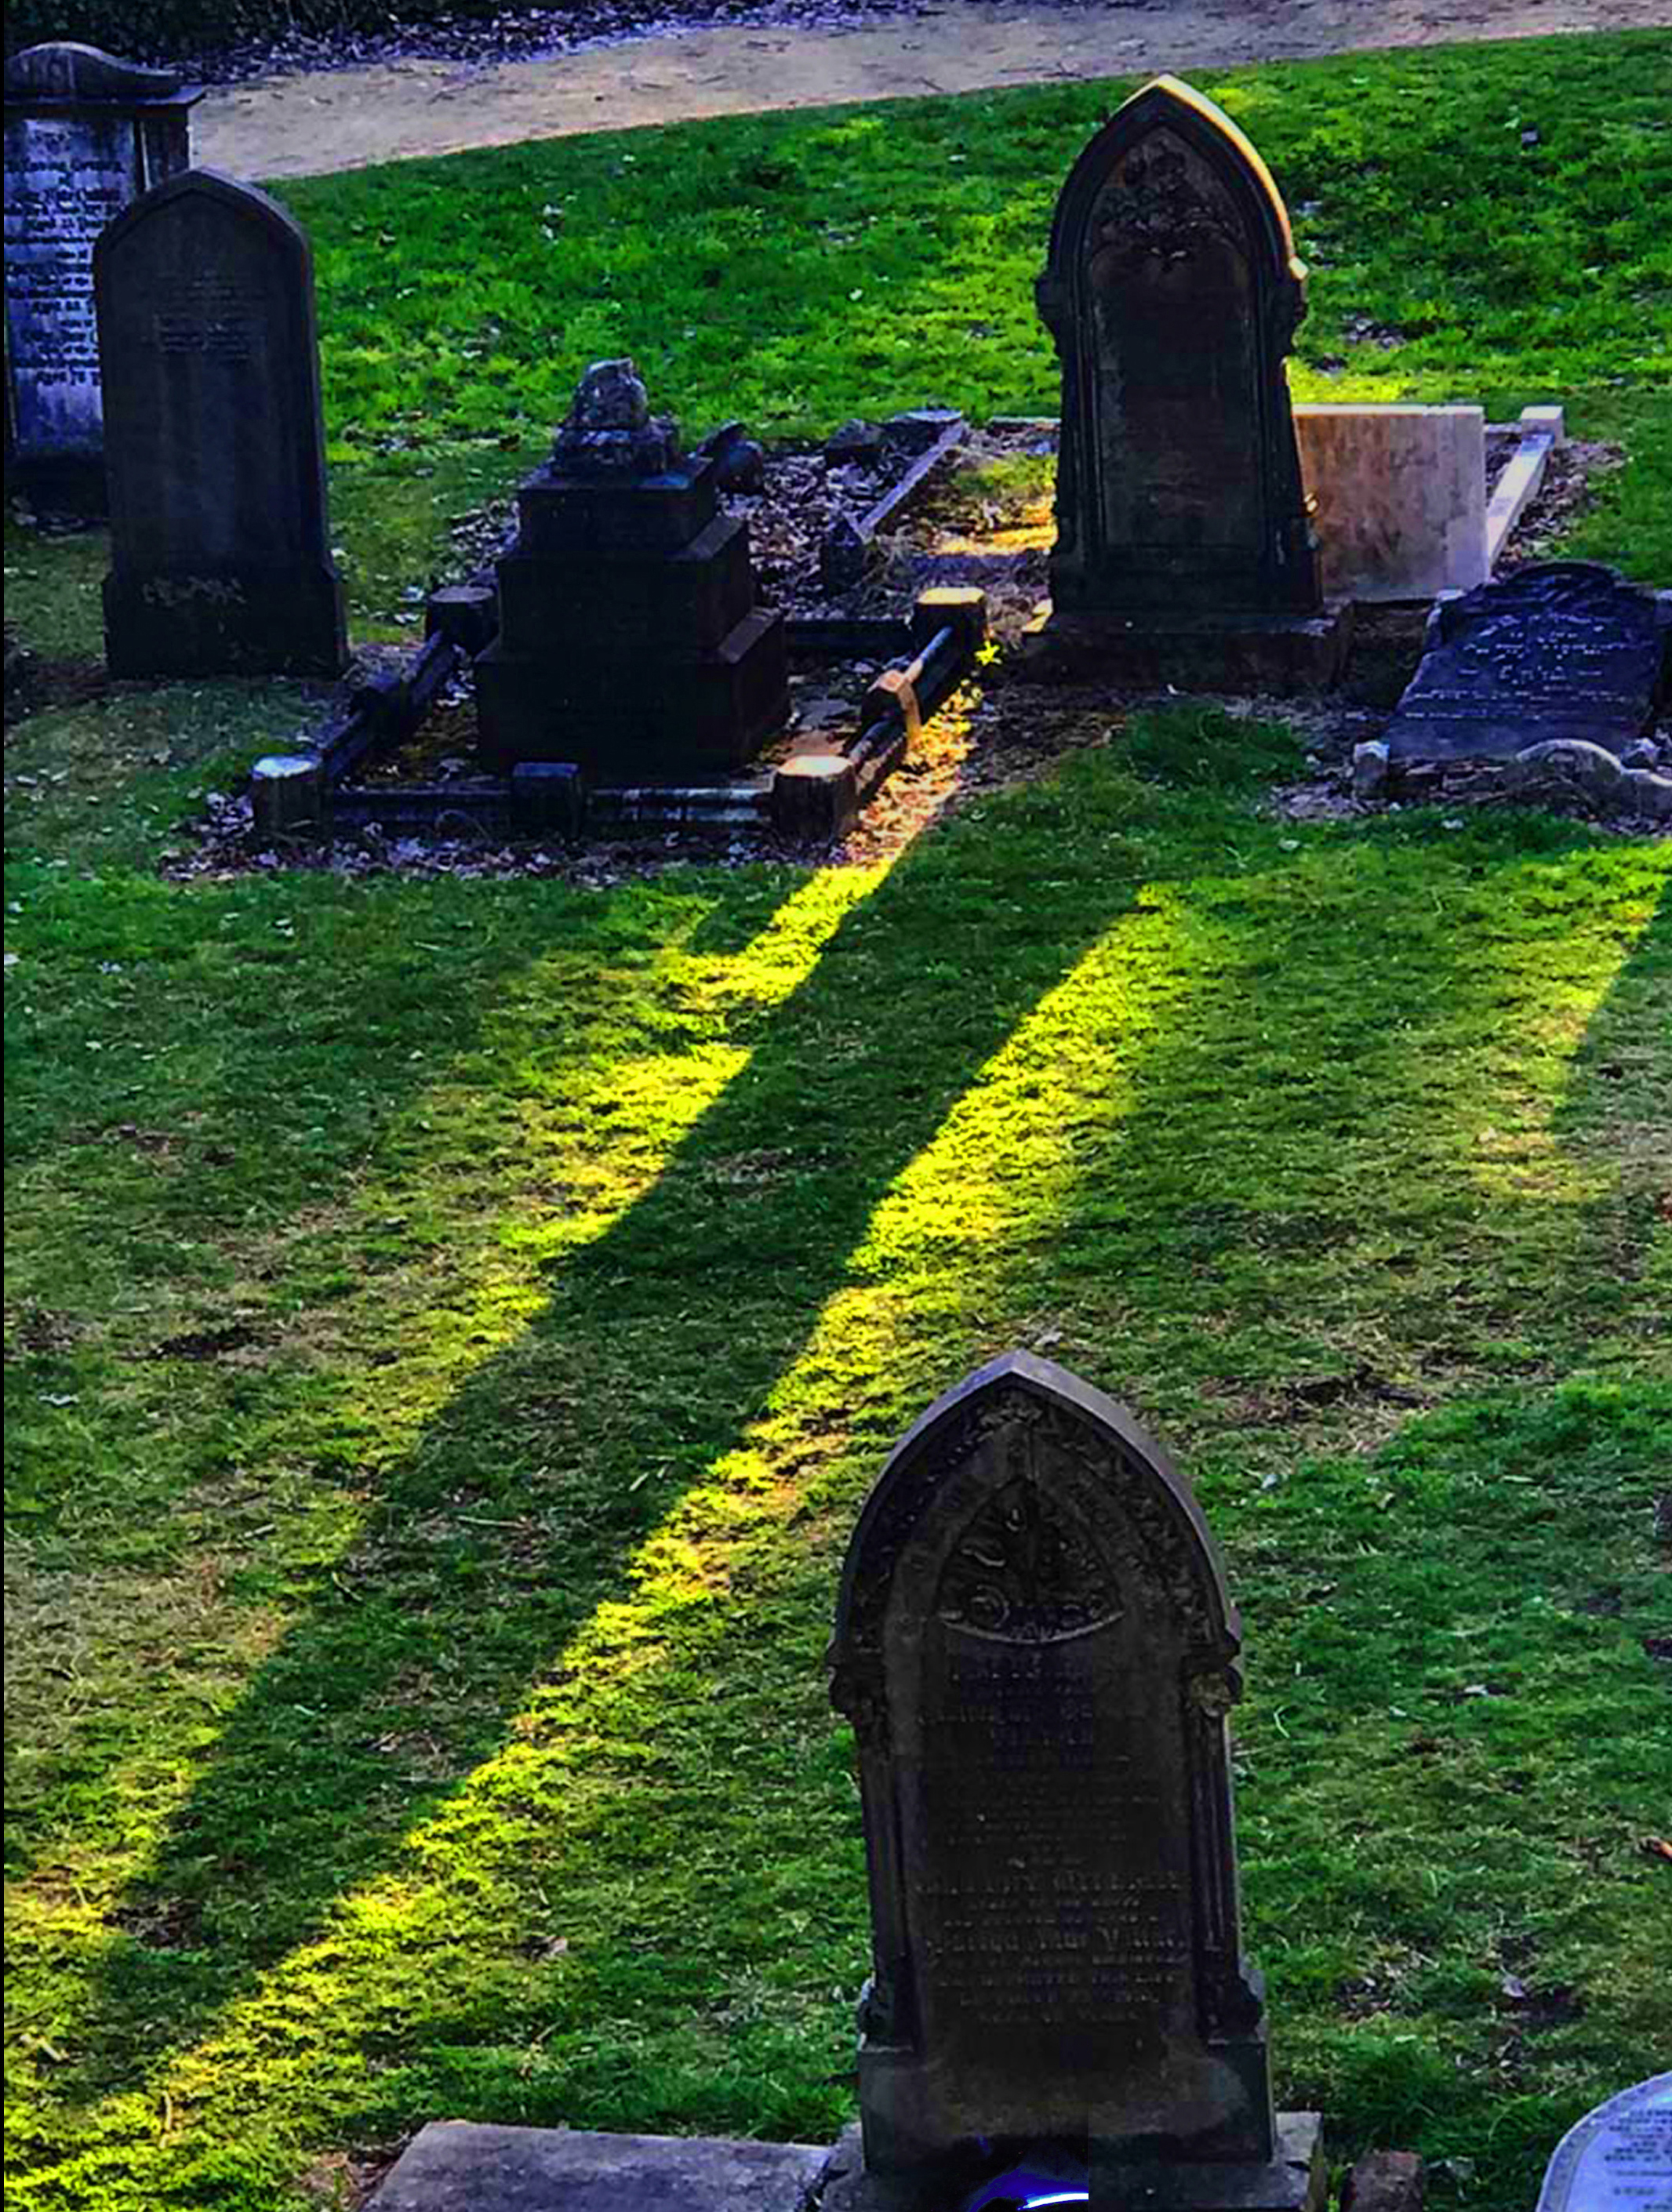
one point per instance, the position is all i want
(1172, 292)
(630, 640)
(1562, 652)
(220, 545)
(1618, 2157)
(85, 135)
(1036, 1646)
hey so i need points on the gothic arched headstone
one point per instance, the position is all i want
(1036, 1648)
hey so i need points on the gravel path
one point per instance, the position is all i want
(346, 119)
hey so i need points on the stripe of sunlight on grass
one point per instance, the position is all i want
(662, 1338)
(1010, 1149)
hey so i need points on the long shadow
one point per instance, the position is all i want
(658, 1346)
(1618, 1082)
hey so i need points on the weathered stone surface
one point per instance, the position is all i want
(454, 2166)
(1173, 292)
(1618, 2157)
(1370, 769)
(1564, 651)
(739, 461)
(220, 544)
(814, 795)
(1399, 498)
(1037, 1651)
(85, 135)
(854, 442)
(1386, 2181)
(608, 432)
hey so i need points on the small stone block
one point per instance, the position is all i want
(1552, 421)
(548, 798)
(466, 615)
(891, 697)
(916, 430)
(814, 795)
(1370, 770)
(959, 607)
(1386, 2181)
(456, 2166)
(1295, 2178)
(286, 792)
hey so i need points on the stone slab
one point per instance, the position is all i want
(1618, 2158)
(1399, 498)
(457, 2165)
(1542, 430)
(1564, 650)
(1281, 655)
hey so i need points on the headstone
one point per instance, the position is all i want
(1563, 651)
(1036, 1648)
(85, 135)
(220, 544)
(1398, 496)
(1172, 292)
(1618, 2157)
(630, 642)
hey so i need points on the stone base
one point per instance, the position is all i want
(1283, 654)
(254, 622)
(1296, 2179)
(628, 720)
(454, 2166)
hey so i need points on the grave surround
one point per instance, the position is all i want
(85, 135)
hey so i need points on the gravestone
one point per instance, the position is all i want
(220, 544)
(1562, 652)
(1172, 293)
(630, 640)
(1036, 1648)
(1618, 2158)
(86, 134)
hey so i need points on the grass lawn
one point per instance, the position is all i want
(451, 1326)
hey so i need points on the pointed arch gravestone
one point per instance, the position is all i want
(215, 450)
(1037, 1651)
(1172, 293)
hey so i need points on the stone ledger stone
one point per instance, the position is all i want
(456, 2166)
(85, 134)
(1172, 293)
(220, 542)
(630, 640)
(1036, 1648)
(1562, 651)
(1618, 2157)
(1399, 498)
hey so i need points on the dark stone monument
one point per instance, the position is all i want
(630, 640)
(1563, 652)
(85, 135)
(1618, 2157)
(1036, 1646)
(220, 544)
(1172, 292)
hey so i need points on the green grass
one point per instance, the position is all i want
(451, 1326)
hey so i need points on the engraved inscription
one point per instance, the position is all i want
(64, 181)
(211, 320)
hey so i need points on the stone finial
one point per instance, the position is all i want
(608, 429)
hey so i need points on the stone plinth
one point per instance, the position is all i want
(1172, 292)
(85, 135)
(220, 544)
(630, 640)
(456, 2166)
(1035, 1647)
(1399, 498)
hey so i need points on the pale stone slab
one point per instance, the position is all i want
(1399, 498)
(457, 2165)
(1542, 430)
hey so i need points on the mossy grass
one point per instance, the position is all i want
(451, 1326)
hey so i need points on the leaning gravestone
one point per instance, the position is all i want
(85, 135)
(1172, 293)
(220, 546)
(1036, 1646)
(1563, 652)
(1618, 2157)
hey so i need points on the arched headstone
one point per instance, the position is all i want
(1618, 2158)
(1036, 1648)
(86, 134)
(1173, 293)
(220, 545)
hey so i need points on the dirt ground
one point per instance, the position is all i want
(346, 119)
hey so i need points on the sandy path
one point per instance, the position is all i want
(346, 119)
